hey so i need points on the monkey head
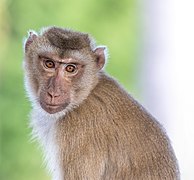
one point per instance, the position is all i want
(61, 68)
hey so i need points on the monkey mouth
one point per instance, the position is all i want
(53, 108)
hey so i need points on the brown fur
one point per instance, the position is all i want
(101, 132)
(111, 137)
(66, 39)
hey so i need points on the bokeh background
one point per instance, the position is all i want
(150, 47)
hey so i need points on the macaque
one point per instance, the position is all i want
(89, 127)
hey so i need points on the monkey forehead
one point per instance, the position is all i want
(66, 39)
(65, 55)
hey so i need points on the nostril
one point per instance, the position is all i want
(50, 94)
(56, 95)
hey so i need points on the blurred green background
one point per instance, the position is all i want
(113, 23)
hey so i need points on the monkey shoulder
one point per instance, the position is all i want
(110, 94)
(118, 108)
(130, 126)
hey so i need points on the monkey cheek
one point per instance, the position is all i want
(51, 108)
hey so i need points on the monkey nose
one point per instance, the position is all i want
(53, 95)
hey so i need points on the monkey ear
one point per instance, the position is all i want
(100, 53)
(31, 37)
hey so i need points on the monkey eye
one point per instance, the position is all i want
(49, 64)
(71, 68)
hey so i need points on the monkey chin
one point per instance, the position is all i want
(53, 108)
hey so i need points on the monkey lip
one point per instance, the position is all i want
(53, 108)
(53, 105)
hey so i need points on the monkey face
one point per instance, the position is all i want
(61, 75)
(61, 78)
(61, 82)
